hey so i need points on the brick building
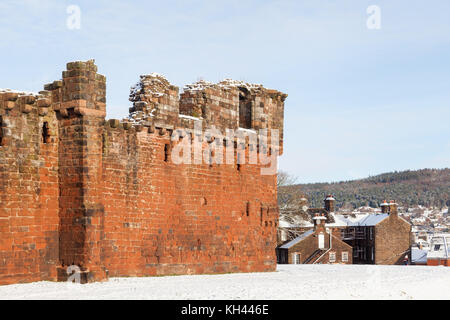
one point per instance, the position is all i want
(105, 195)
(383, 238)
(439, 253)
(316, 246)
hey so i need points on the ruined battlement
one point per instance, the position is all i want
(228, 104)
(107, 195)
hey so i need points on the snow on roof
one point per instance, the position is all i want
(297, 240)
(369, 220)
(339, 221)
(297, 224)
(418, 255)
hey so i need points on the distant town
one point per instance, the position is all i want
(390, 234)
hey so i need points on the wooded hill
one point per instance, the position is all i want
(427, 187)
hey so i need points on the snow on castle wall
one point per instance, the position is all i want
(108, 196)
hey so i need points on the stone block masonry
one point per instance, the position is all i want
(76, 189)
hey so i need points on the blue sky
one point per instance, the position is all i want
(361, 101)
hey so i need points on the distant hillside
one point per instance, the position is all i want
(428, 187)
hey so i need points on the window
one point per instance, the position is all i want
(437, 247)
(45, 133)
(245, 109)
(321, 241)
(166, 152)
(332, 257)
(238, 162)
(296, 258)
(345, 256)
(1, 131)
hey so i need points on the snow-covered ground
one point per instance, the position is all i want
(288, 282)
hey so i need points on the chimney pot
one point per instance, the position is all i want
(329, 203)
(393, 207)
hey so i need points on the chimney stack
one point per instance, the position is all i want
(393, 208)
(329, 203)
(384, 207)
(318, 221)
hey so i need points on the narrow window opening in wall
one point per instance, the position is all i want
(261, 216)
(245, 108)
(238, 165)
(247, 209)
(211, 155)
(166, 152)
(1, 131)
(103, 143)
(45, 133)
(296, 258)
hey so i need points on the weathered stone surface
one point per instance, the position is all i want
(76, 189)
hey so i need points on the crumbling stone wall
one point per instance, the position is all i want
(29, 188)
(105, 194)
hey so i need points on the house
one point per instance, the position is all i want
(315, 246)
(439, 254)
(382, 238)
(375, 238)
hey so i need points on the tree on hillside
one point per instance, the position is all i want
(291, 202)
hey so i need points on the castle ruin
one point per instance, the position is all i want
(104, 195)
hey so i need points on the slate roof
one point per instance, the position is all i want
(369, 220)
(297, 240)
(418, 256)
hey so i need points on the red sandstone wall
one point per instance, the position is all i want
(102, 195)
(163, 218)
(29, 190)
